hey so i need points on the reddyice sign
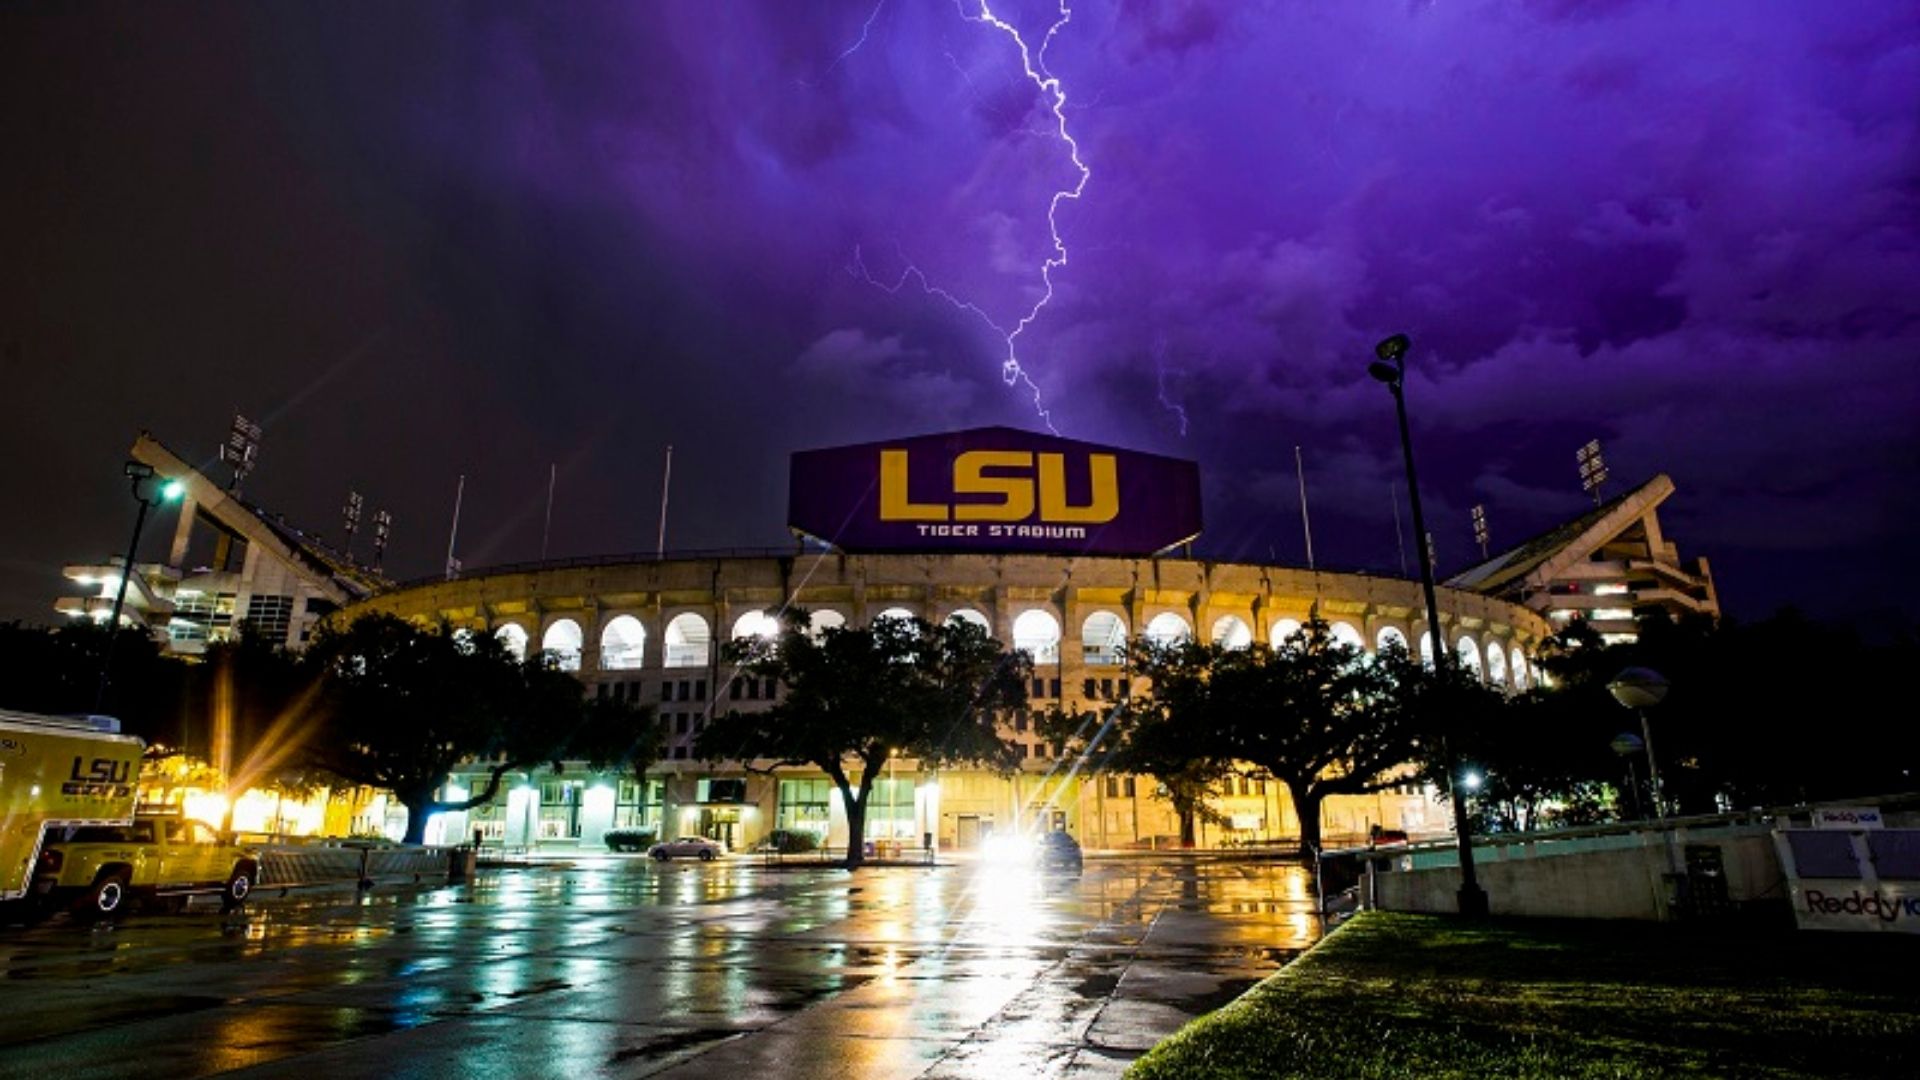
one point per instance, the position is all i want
(994, 489)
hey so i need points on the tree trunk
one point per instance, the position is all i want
(1306, 806)
(420, 806)
(1189, 816)
(856, 804)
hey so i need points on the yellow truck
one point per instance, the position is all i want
(57, 774)
(161, 857)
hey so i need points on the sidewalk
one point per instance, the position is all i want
(1418, 995)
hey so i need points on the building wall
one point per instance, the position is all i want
(546, 604)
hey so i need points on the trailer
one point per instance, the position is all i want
(59, 772)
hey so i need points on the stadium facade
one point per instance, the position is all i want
(1060, 548)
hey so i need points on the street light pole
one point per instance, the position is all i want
(171, 490)
(1391, 369)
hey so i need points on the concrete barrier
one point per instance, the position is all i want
(1656, 876)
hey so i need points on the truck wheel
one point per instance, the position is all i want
(107, 897)
(239, 887)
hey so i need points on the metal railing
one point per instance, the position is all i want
(286, 866)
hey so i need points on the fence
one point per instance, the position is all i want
(286, 866)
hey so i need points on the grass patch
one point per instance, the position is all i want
(1389, 996)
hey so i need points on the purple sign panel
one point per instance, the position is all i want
(994, 489)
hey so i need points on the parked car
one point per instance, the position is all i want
(95, 869)
(692, 847)
(1057, 851)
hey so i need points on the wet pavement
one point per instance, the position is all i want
(621, 968)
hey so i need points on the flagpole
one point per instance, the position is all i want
(1306, 523)
(453, 534)
(666, 489)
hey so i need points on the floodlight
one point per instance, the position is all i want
(1394, 348)
(1385, 372)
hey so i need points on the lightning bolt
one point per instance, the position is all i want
(1167, 401)
(1033, 63)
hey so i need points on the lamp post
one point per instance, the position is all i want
(1641, 689)
(1627, 744)
(1391, 368)
(138, 473)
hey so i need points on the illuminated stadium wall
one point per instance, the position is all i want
(648, 630)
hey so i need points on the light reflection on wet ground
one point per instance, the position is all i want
(620, 968)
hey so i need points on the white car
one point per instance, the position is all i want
(690, 846)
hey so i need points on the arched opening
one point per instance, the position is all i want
(1391, 636)
(1282, 630)
(1232, 632)
(622, 644)
(1168, 628)
(562, 641)
(756, 623)
(1496, 664)
(1518, 662)
(689, 642)
(899, 613)
(514, 637)
(968, 615)
(1426, 648)
(819, 622)
(1469, 655)
(1103, 639)
(1343, 633)
(1038, 634)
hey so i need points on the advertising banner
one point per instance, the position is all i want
(994, 489)
(1866, 880)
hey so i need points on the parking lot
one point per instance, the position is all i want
(618, 967)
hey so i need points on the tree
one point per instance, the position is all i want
(400, 707)
(1147, 734)
(852, 698)
(1317, 715)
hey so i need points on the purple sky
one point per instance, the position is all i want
(432, 239)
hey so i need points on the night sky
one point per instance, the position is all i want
(428, 239)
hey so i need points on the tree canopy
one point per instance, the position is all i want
(851, 698)
(400, 706)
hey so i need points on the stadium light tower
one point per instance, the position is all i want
(1391, 368)
(139, 473)
(1593, 469)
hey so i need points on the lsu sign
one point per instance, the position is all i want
(994, 489)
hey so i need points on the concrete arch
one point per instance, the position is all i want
(1168, 628)
(1037, 632)
(623, 644)
(821, 620)
(514, 637)
(1231, 632)
(970, 615)
(1496, 664)
(1283, 629)
(755, 623)
(1390, 636)
(688, 641)
(564, 641)
(1517, 662)
(1345, 633)
(1468, 651)
(900, 613)
(1103, 639)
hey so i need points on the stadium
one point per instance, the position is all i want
(1064, 549)
(870, 543)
